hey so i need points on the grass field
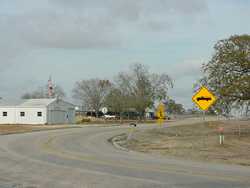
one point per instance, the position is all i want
(196, 142)
(12, 129)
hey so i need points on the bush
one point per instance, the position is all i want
(80, 120)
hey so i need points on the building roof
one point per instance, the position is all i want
(36, 102)
(27, 103)
(4, 102)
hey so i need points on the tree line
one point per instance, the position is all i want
(136, 89)
(42, 92)
(227, 74)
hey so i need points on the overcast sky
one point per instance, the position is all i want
(80, 39)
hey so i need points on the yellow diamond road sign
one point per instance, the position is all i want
(161, 111)
(204, 98)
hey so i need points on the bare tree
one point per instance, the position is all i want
(92, 93)
(42, 92)
(115, 101)
(160, 84)
(140, 88)
(174, 108)
(58, 92)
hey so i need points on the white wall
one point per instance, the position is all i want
(13, 116)
(31, 116)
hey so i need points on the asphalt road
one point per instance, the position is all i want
(83, 158)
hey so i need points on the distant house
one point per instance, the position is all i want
(37, 111)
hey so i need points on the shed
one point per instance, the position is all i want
(38, 111)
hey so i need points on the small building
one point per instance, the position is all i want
(38, 111)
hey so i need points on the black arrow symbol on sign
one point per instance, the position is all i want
(204, 99)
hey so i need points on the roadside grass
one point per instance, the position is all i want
(196, 142)
(15, 129)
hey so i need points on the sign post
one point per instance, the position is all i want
(104, 110)
(204, 99)
(131, 130)
(221, 135)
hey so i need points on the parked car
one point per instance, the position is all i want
(106, 116)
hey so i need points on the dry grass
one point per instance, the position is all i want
(197, 142)
(12, 129)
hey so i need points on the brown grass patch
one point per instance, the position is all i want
(197, 142)
(13, 129)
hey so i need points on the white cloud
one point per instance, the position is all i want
(145, 26)
(185, 75)
(88, 23)
(187, 68)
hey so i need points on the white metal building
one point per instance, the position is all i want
(38, 111)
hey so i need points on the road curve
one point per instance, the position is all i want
(79, 158)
